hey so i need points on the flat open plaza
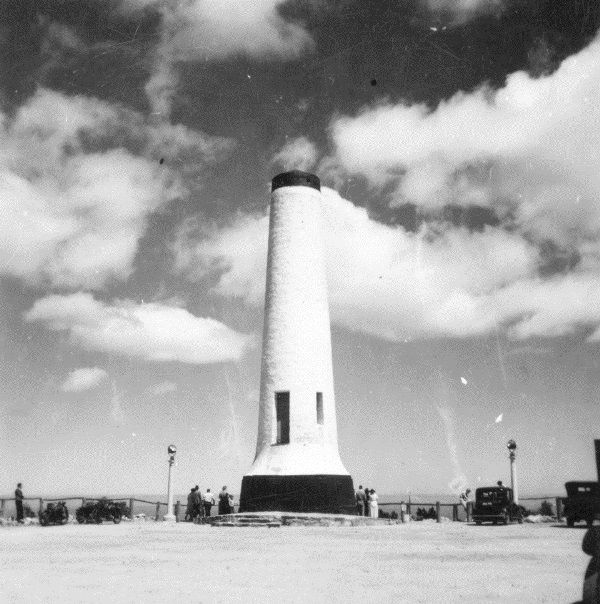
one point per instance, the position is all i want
(416, 562)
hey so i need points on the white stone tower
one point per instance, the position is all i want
(297, 465)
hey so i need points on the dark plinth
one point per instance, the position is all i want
(323, 493)
(296, 178)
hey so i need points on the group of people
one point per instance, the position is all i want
(423, 514)
(199, 505)
(367, 502)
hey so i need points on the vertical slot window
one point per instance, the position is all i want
(282, 411)
(320, 408)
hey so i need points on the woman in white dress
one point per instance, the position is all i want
(373, 505)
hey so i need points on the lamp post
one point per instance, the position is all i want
(512, 448)
(169, 516)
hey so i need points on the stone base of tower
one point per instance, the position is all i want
(324, 493)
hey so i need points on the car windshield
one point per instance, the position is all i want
(583, 490)
(492, 496)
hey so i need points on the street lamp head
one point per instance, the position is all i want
(172, 449)
(512, 445)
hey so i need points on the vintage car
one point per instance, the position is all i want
(582, 502)
(55, 513)
(99, 510)
(495, 504)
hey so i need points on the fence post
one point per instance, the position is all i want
(177, 506)
(157, 511)
(83, 501)
(1, 508)
(41, 505)
(469, 511)
(437, 511)
(408, 508)
(131, 509)
(455, 513)
(559, 509)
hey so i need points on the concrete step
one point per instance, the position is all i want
(277, 519)
(253, 524)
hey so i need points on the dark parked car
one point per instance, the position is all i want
(495, 504)
(102, 509)
(582, 502)
(55, 513)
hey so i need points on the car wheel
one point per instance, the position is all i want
(570, 522)
(117, 519)
(589, 522)
(505, 519)
(478, 522)
(44, 520)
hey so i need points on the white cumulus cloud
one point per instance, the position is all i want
(84, 378)
(164, 388)
(463, 10)
(297, 154)
(207, 30)
(529, 151)
(395, 284)
(75, 200)
(153, 331)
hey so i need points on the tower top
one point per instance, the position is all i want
(296, 178)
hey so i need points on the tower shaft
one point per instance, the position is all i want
(297, 465)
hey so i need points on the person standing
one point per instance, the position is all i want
(190, 512)
(591, 583)
(198, 507)
(373, 505)
(208, 500)
(464, 498)
(224, 502)
(361, 501)
(19, 502)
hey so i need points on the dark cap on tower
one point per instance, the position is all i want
(296, 178)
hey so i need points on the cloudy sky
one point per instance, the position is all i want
(459, 149)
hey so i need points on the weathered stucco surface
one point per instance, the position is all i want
(297, 340)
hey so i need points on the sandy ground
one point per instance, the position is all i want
(416, 562)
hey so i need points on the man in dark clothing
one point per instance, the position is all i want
(361, 501)
(19, 502)
(224, 507)
(190, 512)
(198, 507)
(591, 584)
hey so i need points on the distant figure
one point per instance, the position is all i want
(500, 485)
(198, 507)
(224, 502)
(373, 505)
(19, 502)
(361, 501)
(368, 496)
(190, 511)
(464, 498)
(208, 501)
(403, 512)
(431, 513)
(591, 584)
